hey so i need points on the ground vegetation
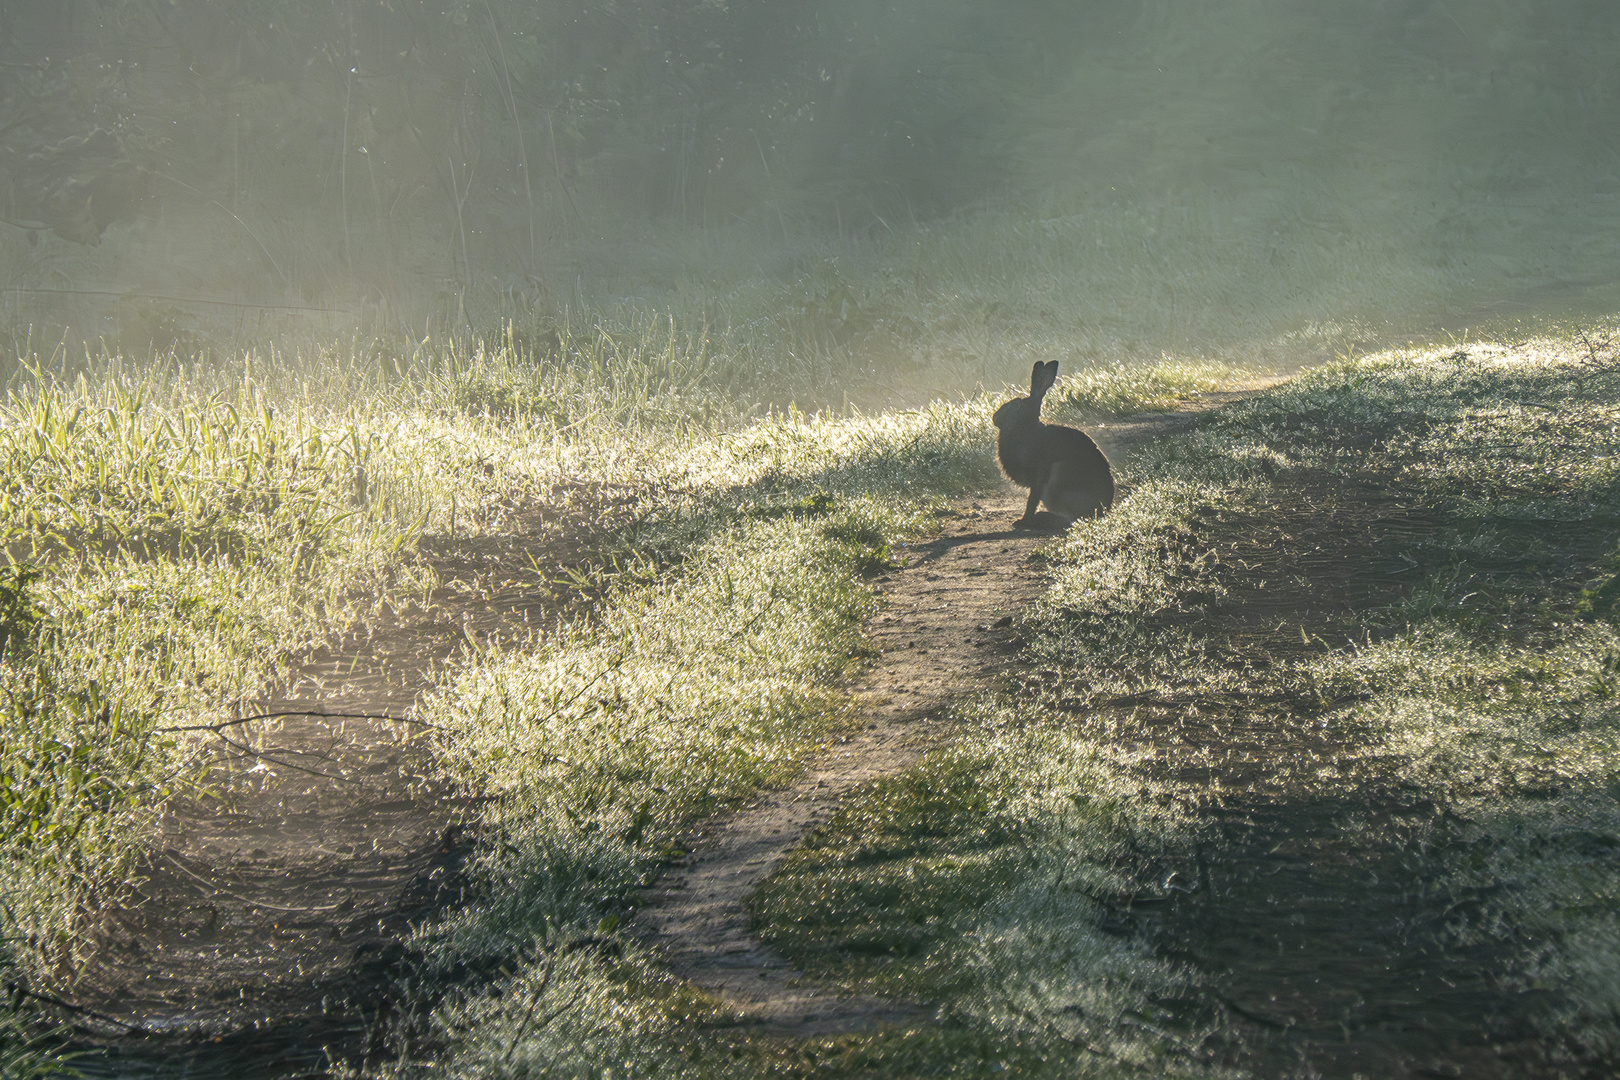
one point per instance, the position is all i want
(1307, 775)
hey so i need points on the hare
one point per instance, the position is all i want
(1060, 465)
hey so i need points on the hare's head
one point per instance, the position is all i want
(1025, 412)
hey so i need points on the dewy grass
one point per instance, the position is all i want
(190, 530)
(1519, 745)
(184, 544)
(1121, 389)
(690, 688)
(985, 879)
(979, 880)
(194, 529)
(1492, 699)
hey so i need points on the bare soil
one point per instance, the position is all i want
(267, 923)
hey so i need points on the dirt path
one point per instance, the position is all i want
(944, 633)
(938, 640)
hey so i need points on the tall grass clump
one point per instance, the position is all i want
(171, 545)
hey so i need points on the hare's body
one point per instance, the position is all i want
(1060, 465)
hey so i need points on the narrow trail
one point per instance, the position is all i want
(938, 640)
(943, 634)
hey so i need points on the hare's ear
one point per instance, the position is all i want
(1043, 378)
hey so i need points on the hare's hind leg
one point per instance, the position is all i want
(1074, 490)
(1049, 520)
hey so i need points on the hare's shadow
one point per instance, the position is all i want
(937, 548)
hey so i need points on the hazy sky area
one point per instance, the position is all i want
(1114, 178)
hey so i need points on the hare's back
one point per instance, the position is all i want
(1069, 444)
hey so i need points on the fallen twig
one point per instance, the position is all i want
(297, 712)
(130, 1029)
(245, 749)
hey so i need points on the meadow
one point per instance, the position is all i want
(1342, 661)
(1309, 772)
(180, 534)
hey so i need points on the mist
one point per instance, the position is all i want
(928, 192)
